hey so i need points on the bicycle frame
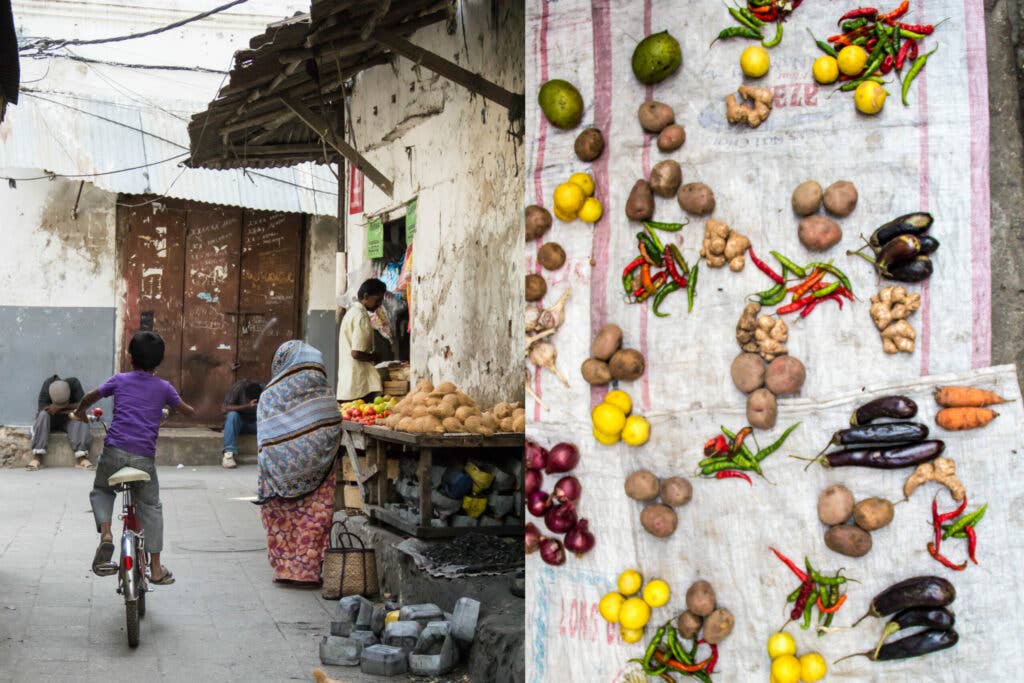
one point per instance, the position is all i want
(132, 563)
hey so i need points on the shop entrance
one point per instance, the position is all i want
(221, 285)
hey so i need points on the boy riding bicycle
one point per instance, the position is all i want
(139, 400)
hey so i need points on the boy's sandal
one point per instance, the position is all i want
(33, 466)
(84, 464)
(166, 580)
(101, 561)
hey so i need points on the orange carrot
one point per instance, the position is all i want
(964, 417)
(966, 397)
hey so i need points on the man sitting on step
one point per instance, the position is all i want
(240, 410)
(58, 398)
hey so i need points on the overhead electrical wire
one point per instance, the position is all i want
(125, 65)
(51, 176)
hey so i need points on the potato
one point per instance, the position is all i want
(849, 540)
(835, 505)
(762, 409)
(538, 222)
(819, 233)
(700, 598)
(807, 198)
(666, 177)
(640, 205)
(589, 144)
(785, 375)
(718, 626)
(696, 198)
(643, 486)
(689, 624)
(536, 287)
(841, 198)
(551, 256)
(596, 372)
(871, 514)
(655, 116)
(676, 491)
(626, 365)
(607, 342)
(748, 372)
(659, 520)
(671, 137)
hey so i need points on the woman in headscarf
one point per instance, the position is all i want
(299, 430)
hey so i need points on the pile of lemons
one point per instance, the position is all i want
(575, 199)
(613, 421)
(787, 667)
(869, 97)
(630, 607)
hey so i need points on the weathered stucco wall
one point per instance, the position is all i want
(451, 149)
(320, 325)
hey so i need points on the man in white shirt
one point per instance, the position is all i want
(357, 376)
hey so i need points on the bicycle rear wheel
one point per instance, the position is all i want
(131, 608)
(141, 601)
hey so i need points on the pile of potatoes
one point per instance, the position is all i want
(703, 617)
(446, 410)
(836, 506)
(764, 370)
(608, 360)
(818, 232)
(659, 519)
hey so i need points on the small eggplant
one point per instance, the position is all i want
(928, 244)
(923, 643)
(938, 618)
(887, 406)
(890, 458)
(881, 433)
(919, 591)
(909, 224)
(919, 269)
(897, 252)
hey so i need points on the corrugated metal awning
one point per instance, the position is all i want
(78, 136)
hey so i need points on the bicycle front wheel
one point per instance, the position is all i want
(131, 608)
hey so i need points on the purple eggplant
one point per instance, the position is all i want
(888, 458)
(899, 407)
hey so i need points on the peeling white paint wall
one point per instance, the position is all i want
(437, 141)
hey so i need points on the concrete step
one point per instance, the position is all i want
(190, 446)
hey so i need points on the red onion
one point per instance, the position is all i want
(538, 502)
(560, 518)
(551, 551)
(567, 490)
(532, 537)
(536, 456)
(562, 458)
(579, 541)
(532, 480)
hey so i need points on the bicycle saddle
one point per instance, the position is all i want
(127, 475)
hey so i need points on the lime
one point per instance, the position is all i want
(869, 97)
(825, 69)
(561, 103)
(635, 613)
(812, 667)
(629, 582)
(656, 593)
(656, 57)
(620, 399)
(609, 607)
(755, 61)
(781, 644)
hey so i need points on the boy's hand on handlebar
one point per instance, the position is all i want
(79, 415)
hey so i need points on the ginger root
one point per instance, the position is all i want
(746, 326)
(898, 337)
(723, 245)
(752, 114)
(942, 470)
(890, 309)
(771, 336)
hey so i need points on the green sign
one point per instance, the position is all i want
(410, 221)
(375, 239)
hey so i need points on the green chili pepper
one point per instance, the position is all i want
(667, 227)
(660, 295)
(691, 288)
(794, 595)
(654, 238)
(652, 249)
(911, 35)
(854, 24)
(653, 645)
(827, 580)
(825, 291)
(713, 460)
(739, 32)
(824, 46)
(914, 71)
(965, 521)
(759, 3)
(746, 17)
(861, 41)
(748, 461)
(717, 467)
(768, 295)
(852, 85)
(776, 445)
(789, 265)
(678, 257)
(829, 268)
(807, 610)
(777, 39)
(627, 283)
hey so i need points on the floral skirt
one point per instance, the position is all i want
(298, 532)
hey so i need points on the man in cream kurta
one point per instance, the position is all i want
(357, 377)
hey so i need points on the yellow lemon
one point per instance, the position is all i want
(569, 198)
(609, 607)
(636, 431)
(591, 211)
(620, 399)
(605, 439)
(656, 593)
(781, 644)
(812, 667)
(635, 613)
(786, 669)
(564, 217)
(825, 69)
(585, 182)
(852, 59)
(629, 582)
(869, 97)
(608, 419)
(755, 61)
(631, 635)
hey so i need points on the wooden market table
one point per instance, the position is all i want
(424, 447)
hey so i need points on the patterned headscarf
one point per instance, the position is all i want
(298, 424)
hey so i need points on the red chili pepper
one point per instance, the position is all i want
(796, 305)
(737, 443)
(801, 601)
(765, 268)
(806, 285)
(734, 474)
(949, 516)
(912, 54)
(945, 561)
(834, 296)
(714, 655)
(633, 265)
(972, 542)
(923, 29)
(800, 574)
(870, 45)
(811, 305)
(901, 56)
(834, 608)
(868, 12)
(766, 14)
(716, 445)
(670, 266)
(887, 64)
(815, 288)
(936, 524)
(900, 10)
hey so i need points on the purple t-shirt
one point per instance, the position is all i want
(139, 398)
